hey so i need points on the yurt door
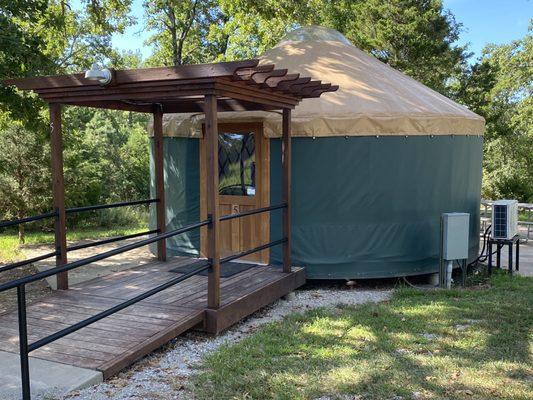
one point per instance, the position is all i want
(244, 184)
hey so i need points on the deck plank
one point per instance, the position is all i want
(117, 341)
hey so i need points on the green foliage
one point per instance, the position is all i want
(24, 177)
(22, 52)
(106, 153)
(416, 37)
(182, 31)
(500, 87)
(48, 37)
(106, 156)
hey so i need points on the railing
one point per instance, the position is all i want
(20, 284)
(5, 224)
(112, 205)
(18, 264)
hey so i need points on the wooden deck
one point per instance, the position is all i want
(117, 341)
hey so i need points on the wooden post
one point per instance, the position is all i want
(159, 181)
(213, 231)
(58, 192)
(286, 187)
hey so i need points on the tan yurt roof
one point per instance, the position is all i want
(373, 98)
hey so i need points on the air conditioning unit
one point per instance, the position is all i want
(504, 219)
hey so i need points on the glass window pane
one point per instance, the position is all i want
(236, 164)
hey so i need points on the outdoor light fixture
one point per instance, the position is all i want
(103, 76)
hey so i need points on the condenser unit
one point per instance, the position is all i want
(504, 219)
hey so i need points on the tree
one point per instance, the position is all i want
(180, 26)
(24, 176)
(414, 36)
(39, 37)
(106, 156)
(500, 87)
(22, 53)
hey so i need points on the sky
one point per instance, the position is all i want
(490, 21)
(484, 21)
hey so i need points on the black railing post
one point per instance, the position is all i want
(23, 342)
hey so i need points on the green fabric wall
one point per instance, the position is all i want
(182, 193)
(363, 207)
(369, 207)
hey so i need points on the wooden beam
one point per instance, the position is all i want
(213, 231)
(159, 167)
(115, 105)
(167, 93)
(191, 71)
(245, 74)
(58, 192)
(175, 90)
(286, 187)
(188, 106)
(273, 82)
(216, 321)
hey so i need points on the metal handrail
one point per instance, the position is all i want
(17, 264)
(80, 263)
(110, 240)
(51, 214)
(75, 247)
(252, 212)
(112, 205)
(5, 224)
(254, 250)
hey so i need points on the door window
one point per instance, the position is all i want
(236, 164)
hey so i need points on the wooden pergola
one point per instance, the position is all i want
(205, 88)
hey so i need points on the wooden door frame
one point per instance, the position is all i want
(262, 153)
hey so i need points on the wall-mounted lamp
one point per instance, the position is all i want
(103, 76)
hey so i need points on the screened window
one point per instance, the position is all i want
(236, 164)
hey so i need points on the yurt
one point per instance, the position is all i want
(374, 165)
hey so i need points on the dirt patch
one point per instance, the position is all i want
(34, 291)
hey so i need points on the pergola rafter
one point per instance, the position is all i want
(237, 86)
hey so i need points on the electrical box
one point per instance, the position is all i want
(504, 219)
(455, 232)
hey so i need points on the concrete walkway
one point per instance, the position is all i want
(48, 379)
(526, 258)
(526, 255)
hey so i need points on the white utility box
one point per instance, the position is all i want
(455, 232)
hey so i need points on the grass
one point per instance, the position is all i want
(10, 250)
(458, 344)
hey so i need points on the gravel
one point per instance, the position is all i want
(165, 374)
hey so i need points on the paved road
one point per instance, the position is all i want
(526, 258)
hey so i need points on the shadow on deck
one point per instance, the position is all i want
(119, 340)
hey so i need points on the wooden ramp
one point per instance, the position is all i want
(118, 340)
